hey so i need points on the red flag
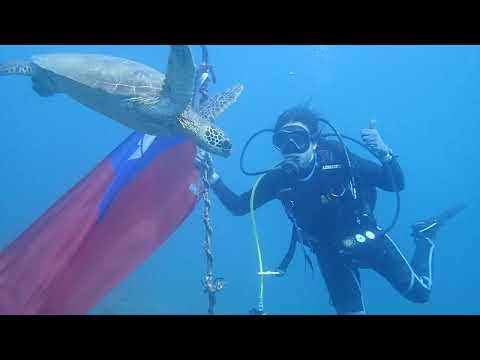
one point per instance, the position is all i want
(101, 229)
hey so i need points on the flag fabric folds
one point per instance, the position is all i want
(101, 229)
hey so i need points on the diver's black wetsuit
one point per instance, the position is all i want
(323, 210)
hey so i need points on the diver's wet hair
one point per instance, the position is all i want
(303, 114)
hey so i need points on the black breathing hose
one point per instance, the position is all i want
(242, 168)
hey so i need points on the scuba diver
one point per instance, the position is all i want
(329, 195)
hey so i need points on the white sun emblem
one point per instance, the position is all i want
(143, 145)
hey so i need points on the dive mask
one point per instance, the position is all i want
(292, 139)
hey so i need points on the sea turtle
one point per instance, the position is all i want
(134, 94)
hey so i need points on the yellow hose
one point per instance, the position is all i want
(261, 273)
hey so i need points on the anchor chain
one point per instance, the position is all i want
(211, 284)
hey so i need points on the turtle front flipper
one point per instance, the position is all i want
(17, 68)
(180, 77)
(216, 105)
(201, 126)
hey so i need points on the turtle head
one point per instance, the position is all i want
(214, 140)
(204, 133)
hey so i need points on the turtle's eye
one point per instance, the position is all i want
(226, 144)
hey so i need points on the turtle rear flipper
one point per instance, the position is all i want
(44, 86)
(17, 68)
(216, 105)
(41, 82)
(180, 77)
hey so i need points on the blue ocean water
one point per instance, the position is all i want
(426, 100)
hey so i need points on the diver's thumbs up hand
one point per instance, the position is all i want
(372, 139)
(370, 135)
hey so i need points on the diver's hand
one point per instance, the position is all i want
(203, 162)
(281, 272)
(372, 139)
